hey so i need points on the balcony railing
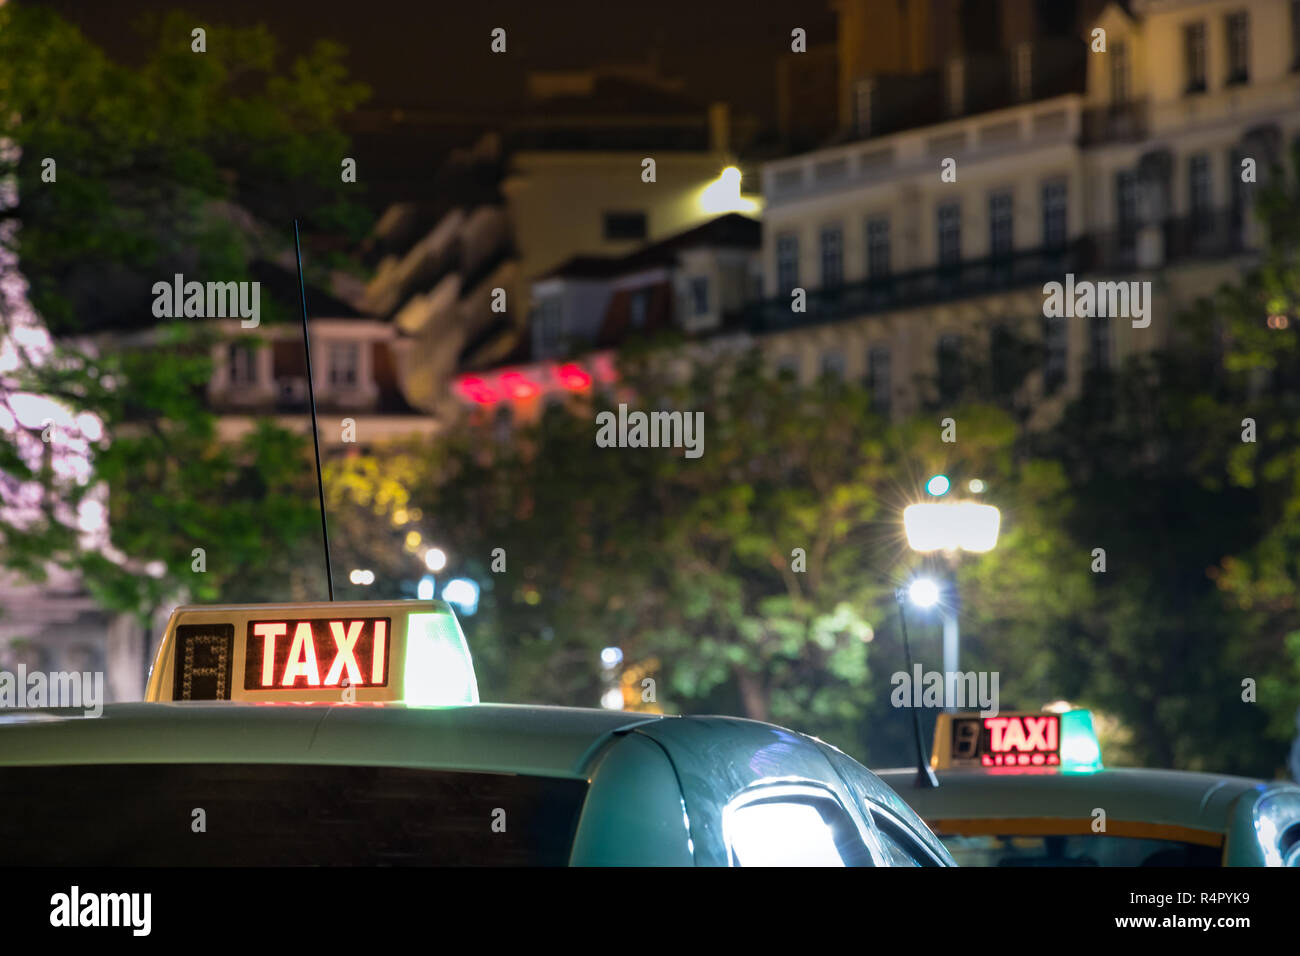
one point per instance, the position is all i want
(917, 287)
(1214, 234)
(1117, 123)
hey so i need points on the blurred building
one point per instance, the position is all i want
(262, 373)
(692, 285)
(1134, 175)
(562, 177)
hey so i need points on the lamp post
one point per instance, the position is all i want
(948, 526)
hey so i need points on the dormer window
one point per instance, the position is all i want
(345, 364)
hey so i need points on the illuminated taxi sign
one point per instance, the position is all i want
(1028, 741)
(368, 651)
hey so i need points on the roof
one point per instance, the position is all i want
(1181, 798)
(548, 741)
(732, 230)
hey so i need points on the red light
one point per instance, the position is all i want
(518, 386)
(572, 377)
(477, 390)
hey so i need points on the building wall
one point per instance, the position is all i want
(558, 201)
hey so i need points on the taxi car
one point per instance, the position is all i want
(352, 733)
(1029, 789)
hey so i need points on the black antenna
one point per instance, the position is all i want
(925, 778)
(315, 431)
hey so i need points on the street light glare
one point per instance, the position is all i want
(435, 559)
(947, 527)
(938, 485)
(923, 592)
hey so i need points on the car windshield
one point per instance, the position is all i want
(1077, 850)
(283, 815)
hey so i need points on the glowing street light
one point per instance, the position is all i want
(951, 526)
(923, 592)
(435, 559)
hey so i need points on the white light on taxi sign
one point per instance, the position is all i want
(366, 651)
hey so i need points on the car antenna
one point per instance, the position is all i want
(925, 778)
(315, 432)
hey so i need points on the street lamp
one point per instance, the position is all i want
(948, 526)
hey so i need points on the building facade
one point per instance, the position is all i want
(924, 244)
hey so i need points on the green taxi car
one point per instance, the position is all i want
(1030, 790)
(318, 734)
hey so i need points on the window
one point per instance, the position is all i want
(1055, 212)
(948, 359)
(290, 815)
(241, 361)
(792, 826)
(1126, 206)
(878, 379)
(1119, 92)
(832, 239)
(833, 365)
(949, 234)
(877, 247)
(1198, 186)
(550, 325)
(1099, 342)
(900, 844)
(1056, 348)
(1000, 223)
(345, 364)
(1194, 56)
(1295, 34)
(864, 92)
(1237, 190)
(787, 263)
(625, 225)
(1238, 31)
(699, 295)
(1078, 850)
(638, 307)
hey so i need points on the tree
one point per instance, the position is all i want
(170, 168)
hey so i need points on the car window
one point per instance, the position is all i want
(283, 815)
(792, 826)
(1077, 850)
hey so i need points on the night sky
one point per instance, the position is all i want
(435, 54)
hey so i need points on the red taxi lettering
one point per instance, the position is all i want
(302, 658)
(344, 655)
(377, 662)
(268, 633)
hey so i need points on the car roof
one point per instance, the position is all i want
(1200, 801)
(508, 738)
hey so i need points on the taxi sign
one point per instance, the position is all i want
(335, 652)
(1021, 741)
